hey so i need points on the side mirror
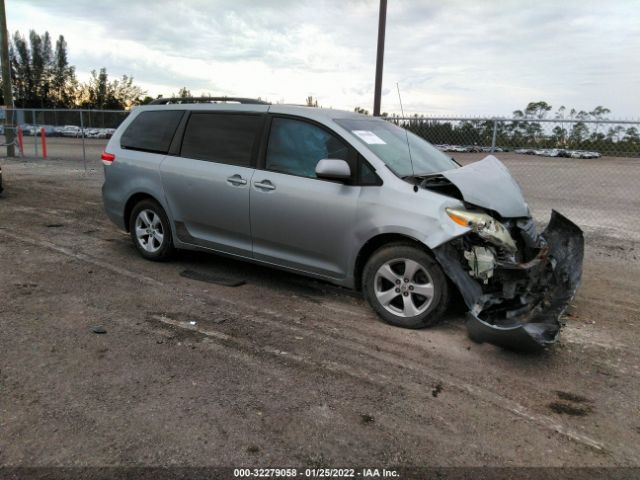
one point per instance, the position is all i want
(333, 169)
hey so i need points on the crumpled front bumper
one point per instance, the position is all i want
(554, 276)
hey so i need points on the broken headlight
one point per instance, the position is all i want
(487, 228)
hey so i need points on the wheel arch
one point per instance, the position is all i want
(133, 201)
(374, 244)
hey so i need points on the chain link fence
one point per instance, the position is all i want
(588, 169)
(76, 135)
(572, 138)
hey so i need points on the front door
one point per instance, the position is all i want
(297, 220)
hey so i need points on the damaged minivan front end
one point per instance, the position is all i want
(515, 281)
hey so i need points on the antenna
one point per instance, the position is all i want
(406, 133)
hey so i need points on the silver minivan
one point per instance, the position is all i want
(347, 198)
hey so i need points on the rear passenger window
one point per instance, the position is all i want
(221, 137)
(151, 131)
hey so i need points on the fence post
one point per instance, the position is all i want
(43, 139)
(20, 141)
(35, 132)
(495, 132)
(84, 152)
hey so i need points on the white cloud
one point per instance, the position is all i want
(454, 57)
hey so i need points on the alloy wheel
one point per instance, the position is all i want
(403, 287)
(149, 230)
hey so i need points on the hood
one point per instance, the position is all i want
(488, 184)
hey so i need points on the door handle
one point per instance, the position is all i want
(236, 180)
(265, 185)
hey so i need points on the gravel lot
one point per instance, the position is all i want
(286, 371)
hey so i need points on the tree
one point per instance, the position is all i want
(527, 130)
(632, 135)
(311, 102)
(147, 100)
(31, 69)
(95, 93)
(615, 133)
(361, 111)
(125, 93)
(43, 78)
(598, 113)
(183, 93)
(21, 71)
(537, 110)
(64, 85)
(100, 93)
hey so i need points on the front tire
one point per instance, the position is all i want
(405, 286)
(150, 231)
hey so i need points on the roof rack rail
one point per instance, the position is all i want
(179, 100)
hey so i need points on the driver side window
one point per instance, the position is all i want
(296, 147)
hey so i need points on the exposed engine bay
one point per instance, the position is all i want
(516, 296)
(515, 282)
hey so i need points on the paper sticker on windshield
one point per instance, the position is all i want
(369, 137)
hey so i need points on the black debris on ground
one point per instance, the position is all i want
(366, 418)
(436, 390)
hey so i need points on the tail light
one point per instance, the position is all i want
(107, 158)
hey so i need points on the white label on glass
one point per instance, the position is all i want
(369, 137)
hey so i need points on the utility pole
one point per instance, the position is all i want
(6, 81)
(382, 23)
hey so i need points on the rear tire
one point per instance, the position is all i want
(405, 286)
(150, 231)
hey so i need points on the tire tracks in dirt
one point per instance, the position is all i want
(284, 322)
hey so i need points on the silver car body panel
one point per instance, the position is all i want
(211, 201)
(134, 173)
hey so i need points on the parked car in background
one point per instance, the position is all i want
(49, 130)
(586, 154)
(350, 199)
(558, 152)
(97, 133)
(473, 149)
(457, 148)
(27, 129)
(92, 133)
(71, 131)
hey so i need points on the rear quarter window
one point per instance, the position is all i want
(221, 137)
(151, 131)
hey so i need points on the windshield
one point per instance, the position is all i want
(389, 143)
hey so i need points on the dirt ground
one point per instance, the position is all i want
(282, 370)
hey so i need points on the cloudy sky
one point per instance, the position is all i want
(450, 57)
